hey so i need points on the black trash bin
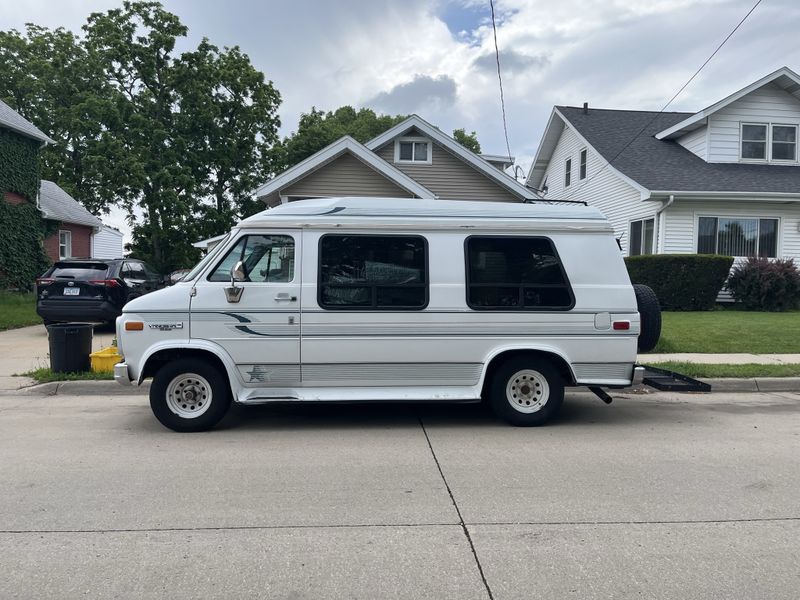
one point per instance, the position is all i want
(70, 347)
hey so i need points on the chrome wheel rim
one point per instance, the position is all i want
(189, 395)
(527, 391)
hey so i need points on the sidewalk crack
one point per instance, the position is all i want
(464, 528)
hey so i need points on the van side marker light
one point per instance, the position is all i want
(622, 325)
(134, 326)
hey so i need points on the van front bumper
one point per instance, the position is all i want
(121, 374)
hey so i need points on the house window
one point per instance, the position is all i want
(583, 164)
(373, 272)
(413, 150)
(738, 237)
(642, 237)
(515, 273)
(754, 142)
(784, 142)
(64, 244)
(568, 172)
(761, 141)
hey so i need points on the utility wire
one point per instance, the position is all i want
(500, 81)
(663, 108)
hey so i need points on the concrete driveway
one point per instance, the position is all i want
(657, 496)
(26, 349)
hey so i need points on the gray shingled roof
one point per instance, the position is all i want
(58, 205)
(666, 165)
(13, 120)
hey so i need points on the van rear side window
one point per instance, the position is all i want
(515, 273)
(373, 272)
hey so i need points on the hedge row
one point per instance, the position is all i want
(681, 281)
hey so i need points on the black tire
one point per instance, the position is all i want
(649, 317)
(48, 322)
(518, 373)
(197, 377)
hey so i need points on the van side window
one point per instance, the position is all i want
(266, 258)
(380, 272)
(515, 273)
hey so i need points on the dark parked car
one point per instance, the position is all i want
(89, 290)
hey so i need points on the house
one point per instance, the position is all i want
(74, 228)
(722, 180)
(74, 225)
(413, 159)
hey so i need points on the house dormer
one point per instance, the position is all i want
(756, 125)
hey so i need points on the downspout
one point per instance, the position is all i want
(667, 203)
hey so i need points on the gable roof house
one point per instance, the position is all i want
(413, 159)
(20, 143)
(722, 180)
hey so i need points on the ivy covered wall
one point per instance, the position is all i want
(22, 228)
(19, 164)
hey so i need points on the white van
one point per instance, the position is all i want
(357, 299)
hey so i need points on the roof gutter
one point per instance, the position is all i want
(717, 195)
(667, 203)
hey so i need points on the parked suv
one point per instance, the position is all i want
(92, 290)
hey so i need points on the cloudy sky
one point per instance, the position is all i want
(436, 57)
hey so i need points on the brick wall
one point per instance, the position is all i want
(81, 241)
(13, 198)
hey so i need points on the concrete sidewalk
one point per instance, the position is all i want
(26, 349)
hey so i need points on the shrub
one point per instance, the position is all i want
(681, 281)
(764, 284)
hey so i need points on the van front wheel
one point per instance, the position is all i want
(189, 394)
(526, 391)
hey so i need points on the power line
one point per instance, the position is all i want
(671, 100)
(500, 80)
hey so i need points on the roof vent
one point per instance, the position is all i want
(586, 108)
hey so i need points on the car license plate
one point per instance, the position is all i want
(72, 291)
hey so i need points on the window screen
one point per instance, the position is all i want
(373, 272)
(515, 273)
(266, 259)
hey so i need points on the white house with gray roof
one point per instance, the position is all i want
(722, 180)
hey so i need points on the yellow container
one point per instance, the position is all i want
(103, 361)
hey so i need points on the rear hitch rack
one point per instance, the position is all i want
(670, 381)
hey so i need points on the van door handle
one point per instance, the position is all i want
(284, 297)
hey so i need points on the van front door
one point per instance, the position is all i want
(258, 323)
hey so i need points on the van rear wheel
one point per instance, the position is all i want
(526, 391)
(189, 394)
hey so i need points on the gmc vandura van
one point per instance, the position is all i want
(357, 299)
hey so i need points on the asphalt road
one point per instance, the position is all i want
(656, 496)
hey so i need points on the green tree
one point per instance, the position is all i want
(51, 80)
(197, 128)
(317, 129)
(468, 140)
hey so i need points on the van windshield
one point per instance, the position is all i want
(204, 261)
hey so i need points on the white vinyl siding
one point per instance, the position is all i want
(695, 142)
(619, 201)
(681, 221)
(107, 243)
(769, 104)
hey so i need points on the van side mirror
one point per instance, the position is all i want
(237, 272)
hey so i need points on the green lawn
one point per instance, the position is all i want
(17, 310)
(730, 331)
(747, 370)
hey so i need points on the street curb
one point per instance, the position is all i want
(83, 388)
(112, 388)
